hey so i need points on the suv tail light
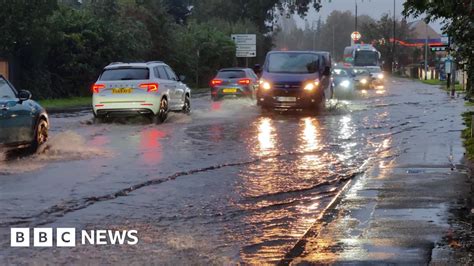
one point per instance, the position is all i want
(150, 87)
(244, 81)
(216, 82)
(97, 87)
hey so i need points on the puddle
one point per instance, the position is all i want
(65, 146)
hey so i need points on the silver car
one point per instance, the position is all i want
(152, 89)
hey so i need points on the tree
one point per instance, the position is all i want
(379, 33)
(458, 17)
(262, 13)
(179, 9)
(81, 44)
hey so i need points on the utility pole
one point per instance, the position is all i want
(355, 15)
(426, 52)
(394, 38)
(333, 40)
(197, 67)
(449, 68)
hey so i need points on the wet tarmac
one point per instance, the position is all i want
(225, 184)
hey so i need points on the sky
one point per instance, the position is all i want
(373, 8)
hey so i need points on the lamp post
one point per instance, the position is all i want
(394, 37)
(355, 28)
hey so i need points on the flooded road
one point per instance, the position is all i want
(225, 184)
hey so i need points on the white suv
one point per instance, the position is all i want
(151, 89)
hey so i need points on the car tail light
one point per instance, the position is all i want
(97, 87)
(150, 87)
(216, 82)
(244, 82)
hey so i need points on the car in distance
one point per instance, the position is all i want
(294, 80)
(362, 78)
(234, 82)
(378, 77)
(343, 83)
(23, 122)
(151, 89)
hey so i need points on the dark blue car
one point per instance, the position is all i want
(23, 122)
(295, 80)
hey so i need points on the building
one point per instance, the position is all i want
(4, 68)
(422, 31)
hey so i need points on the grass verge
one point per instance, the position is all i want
(66, 102)
(442, 84)
(466, 135)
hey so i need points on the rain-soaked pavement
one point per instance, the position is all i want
(225, 184)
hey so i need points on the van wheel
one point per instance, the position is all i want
(41, 134)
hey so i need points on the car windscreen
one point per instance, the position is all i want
(125, 74)
(292, 63)
(360, 71)
(5, 90)
(231, 74)
(340, 72)
(366, 58)
(375, 70)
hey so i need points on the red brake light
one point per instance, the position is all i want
(244, 81)
(97, 87)
(216, 82)
(150, 87)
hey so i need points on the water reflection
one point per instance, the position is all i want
(310, 134)
(283, 195)
(266, 136)
(150, 146)
(309, 128)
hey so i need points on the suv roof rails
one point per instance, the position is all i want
(116, 63)
(154, 62)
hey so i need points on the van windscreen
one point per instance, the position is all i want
(303, 63)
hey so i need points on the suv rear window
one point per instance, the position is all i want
(125, 74)
(231, 74)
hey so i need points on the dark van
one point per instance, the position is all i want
(295, 80)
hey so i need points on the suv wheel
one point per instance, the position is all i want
(162, 114)
(187, 105)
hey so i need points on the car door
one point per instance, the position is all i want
(178, 90)
(166, 83)
(16, 118)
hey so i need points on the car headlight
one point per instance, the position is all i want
(310, 86)
(265, 85)
(363, 81)
(345, 83)
(380, 76)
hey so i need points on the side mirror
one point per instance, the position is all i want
(182, 77)
(24, 95)
(327, 71)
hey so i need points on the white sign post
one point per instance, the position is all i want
(246, 45)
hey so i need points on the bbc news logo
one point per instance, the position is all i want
(66, 237)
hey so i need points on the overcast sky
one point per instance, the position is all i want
(373, 8)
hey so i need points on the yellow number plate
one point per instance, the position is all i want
(230, 90)
(122, 91)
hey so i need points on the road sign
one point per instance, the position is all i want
(244, 39)
(448, 64)
(445, 39)
(246, 45)
(246, 53)
(356, 36)
(438, 48)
